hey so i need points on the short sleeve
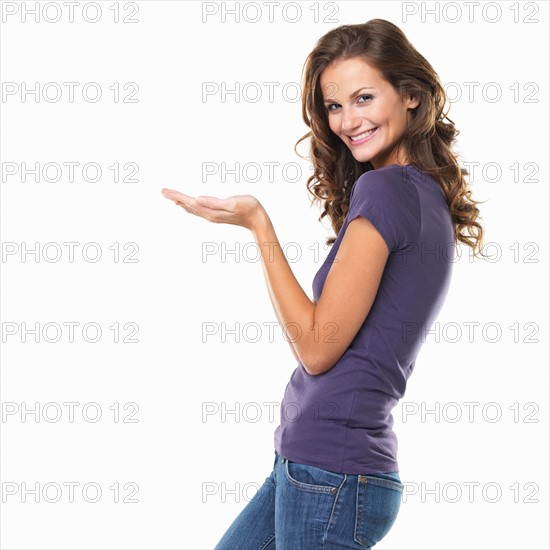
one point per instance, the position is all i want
(389, 200)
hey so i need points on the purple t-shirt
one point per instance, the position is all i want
(341, 420)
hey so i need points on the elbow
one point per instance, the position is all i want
(315, 366)
(308, 368)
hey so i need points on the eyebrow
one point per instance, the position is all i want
(354, 93)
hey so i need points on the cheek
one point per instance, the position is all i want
(333, 124)
(382, 115)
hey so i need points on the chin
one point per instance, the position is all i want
(362, 158)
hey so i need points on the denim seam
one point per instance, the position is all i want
(336, 500)
(264, 544)
(384, 482)
(359, 514)
(306, 486)
(336, 496)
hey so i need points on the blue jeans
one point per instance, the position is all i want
(302, 507)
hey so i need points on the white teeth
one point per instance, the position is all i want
(363, 135)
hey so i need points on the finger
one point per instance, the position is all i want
(213, 203)
(186, 207)
(200, 203)
(176, 195)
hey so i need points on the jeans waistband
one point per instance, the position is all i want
(386, 475)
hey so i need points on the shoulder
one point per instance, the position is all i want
(393, 176)
(393, 184)
(389, 199)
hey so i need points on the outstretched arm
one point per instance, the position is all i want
(321, 332)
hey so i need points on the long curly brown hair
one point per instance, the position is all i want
(427, 140)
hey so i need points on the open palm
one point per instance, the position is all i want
(243, 210)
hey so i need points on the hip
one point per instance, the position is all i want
(342, 510)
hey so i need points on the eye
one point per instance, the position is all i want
(332, 105)
(367, 96)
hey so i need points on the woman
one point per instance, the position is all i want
(399, 204)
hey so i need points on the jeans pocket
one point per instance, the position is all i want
(377, 505)
(312, 478)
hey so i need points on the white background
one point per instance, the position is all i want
(173, 454)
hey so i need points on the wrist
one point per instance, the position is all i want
(260, 221)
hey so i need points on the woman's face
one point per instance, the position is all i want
(362, 105)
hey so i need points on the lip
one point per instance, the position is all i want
(364, 140)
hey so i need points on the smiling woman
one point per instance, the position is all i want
(377, 118)
(398, 202)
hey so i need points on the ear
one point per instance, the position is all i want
(412, 102)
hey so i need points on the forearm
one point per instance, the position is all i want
(294, 309)
(281, 322)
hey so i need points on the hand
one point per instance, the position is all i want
(243, 210)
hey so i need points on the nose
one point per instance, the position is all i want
(349, 121)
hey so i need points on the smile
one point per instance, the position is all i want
(362, 138)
